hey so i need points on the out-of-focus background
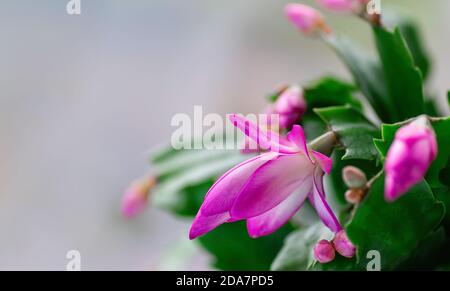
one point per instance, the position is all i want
(82, 99)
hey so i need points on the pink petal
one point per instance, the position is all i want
(325, 163)
(290, 106)
(338, 5)
(271, 184)
(318, 182)
(203, 224)
(324, 252)
(297, 137)
(317, 199)
(276, 217)
(434, 146)
(135, 199)
(343, 245)
(303, 17)
(268, 140)
(291, 100)
(223, 193)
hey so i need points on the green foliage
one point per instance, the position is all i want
(313, 126)
(431, 107)
(429, 254)
(330, 91)
(414, 40)
(403, 79)
(186, 176)
(367, 74)
(443, 195)
(400, 230)
(340, 263)
(325, 92)
(297, 252)
(448, 97)
(234, 250)
(354, 131)
(394, 229)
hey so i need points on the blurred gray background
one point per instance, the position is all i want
(82, 98)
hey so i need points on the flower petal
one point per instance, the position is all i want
(268, 140)
(324, 162)
(276, 217)
(271, 184)
(203, 224)
(223, 193)
(297, 137)
(318, 201)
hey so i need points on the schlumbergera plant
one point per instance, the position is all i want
(358, 171)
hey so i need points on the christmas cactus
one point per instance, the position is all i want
(354, 176)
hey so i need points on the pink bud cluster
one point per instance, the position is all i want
(325, 251)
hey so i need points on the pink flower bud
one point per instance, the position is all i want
(354, 196)
(354, 178)
(324, 252)
(409, 157)
(290, 106)
(343, 245)
(305, 18)
(347, 6)
(136, 197)
(337, 5)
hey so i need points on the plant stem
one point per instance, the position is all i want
(324, 143)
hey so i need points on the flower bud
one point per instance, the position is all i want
(354, 178)
(337, 5)
(136, 197)
(354, 196)
(290, 106)
(347, 6)
(305, 18)
(324, 252)
(409, 157)
(343, 245)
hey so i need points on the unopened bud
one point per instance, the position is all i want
(354, 178)
(324, 252)
(290, 106)
(409, 157)
(135, 198)
(338, 5)
(306, 19)
(343, 245)
(354, 196)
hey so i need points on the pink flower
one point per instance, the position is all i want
(343, 245)
(290, 106)
(268, 121)
(136, 197)
(409, 157)
(269, 189)
(337, 5)
(324, 252)
(305, 18)
(343, 5)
